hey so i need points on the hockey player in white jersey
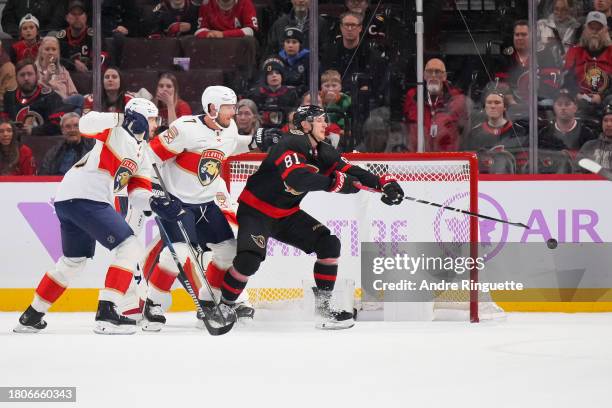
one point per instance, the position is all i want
(192, 150)
(83, 204)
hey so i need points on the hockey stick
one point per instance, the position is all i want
(470, 213)
(215, 331)
(596, 168)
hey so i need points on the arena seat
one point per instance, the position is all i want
(83, 82)
(150, 54)
(40, 145)
(228, 54)
(193, 82)
(135, 79)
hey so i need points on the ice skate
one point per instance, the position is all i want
(326, 317)
(108, 321)
(218, 316)
(30, 322)
(152, 317)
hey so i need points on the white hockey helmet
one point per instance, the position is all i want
(217, 95)
(143, 106)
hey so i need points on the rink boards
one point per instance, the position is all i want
(570, 208)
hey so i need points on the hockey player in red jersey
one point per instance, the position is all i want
(192, 151)
(227, 18)
(269, 207)
(83, 204)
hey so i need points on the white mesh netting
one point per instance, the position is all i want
(445, 179)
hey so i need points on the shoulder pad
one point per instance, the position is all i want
(61, 34)
(90, 31)
(508, 50)
(296, 132)
(157, 8)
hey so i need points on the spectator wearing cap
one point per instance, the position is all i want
(588, 67)
(298, 17)
(566, 131)
(446, 111)
(274, 99)
(346, 56)
(76, 41)
(27, 46)
(227, 19)
(173, 18)
(61, 157)
(296, 60)
(600, 149)
(7, 74)
(50, 14)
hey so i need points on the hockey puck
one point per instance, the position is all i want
(552, 243)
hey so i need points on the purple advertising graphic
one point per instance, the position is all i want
(43, 221)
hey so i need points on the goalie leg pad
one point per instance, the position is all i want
(55, 282)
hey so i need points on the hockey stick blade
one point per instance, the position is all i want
(470, 213)
(595, 167)
(213, 331)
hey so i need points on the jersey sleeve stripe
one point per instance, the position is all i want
(346, 168)
(108, 161)
(287, 153)
(248, 198)
(189, 161)
(139, 182)
(102, 136)
(161, 150)
(331, 169)
(290, 169)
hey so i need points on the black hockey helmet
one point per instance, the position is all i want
(306, 113)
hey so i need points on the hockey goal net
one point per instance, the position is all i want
(450, 179)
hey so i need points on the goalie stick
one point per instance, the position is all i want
(215, 331)
(470, 213)
(596, 168)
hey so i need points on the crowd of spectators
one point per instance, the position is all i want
(48, 49)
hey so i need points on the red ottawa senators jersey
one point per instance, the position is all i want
(231, 21)
(292, 169)
(22, 51)
(592, 74)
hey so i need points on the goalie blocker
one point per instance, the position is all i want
(269, 208)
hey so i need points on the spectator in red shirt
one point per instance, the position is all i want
(588, 66)
(16, 159)
(170, 105)
(446, 117)
(227, 18)
(114, 95)
(27, 46)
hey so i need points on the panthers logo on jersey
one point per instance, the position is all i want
(126, 169)
(209, 167)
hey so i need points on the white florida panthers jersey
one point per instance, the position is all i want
(192, 154)
(116, 162)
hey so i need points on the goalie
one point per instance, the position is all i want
(269, 207)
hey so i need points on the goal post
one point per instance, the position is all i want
(450, 179)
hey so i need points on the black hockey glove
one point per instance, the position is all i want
(392, 193)
(343, 183)
(167, 209)
(266, 138)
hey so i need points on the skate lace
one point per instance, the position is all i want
(156, 309)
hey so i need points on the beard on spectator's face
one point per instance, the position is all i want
(595, 40)
(27, 87)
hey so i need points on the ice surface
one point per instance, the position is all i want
(528, 360)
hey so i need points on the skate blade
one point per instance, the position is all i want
(347, 324)
(20, 328)
(103, 327)
(151, 326)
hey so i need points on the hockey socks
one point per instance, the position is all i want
(325, 271)
(233, 284)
